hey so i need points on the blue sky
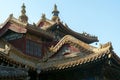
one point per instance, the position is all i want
(97, 17)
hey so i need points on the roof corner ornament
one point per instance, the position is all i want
(34, 24)
(43, 17)
(55, 13)
(23, 18)
(11, 15)
(6, 49)
(65, 25)
(110, 45)
(110, 55)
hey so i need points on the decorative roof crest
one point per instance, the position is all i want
(23, 17)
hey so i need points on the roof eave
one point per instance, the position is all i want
(84, 37)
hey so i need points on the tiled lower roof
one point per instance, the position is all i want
(6, 71)
(78, 62)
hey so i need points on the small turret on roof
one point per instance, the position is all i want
(23, 17)
(55, 13)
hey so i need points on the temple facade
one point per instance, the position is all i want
(50, 50)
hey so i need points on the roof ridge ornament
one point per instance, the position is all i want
(11, 15)
(55, 13)
(65, 25)
(23, 18)
(43, 17)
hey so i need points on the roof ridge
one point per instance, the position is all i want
(69, 39)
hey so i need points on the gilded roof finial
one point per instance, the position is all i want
(55, 13)
(23, 11)
(23, 17)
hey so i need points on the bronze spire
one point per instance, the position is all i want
(55, 13)
(23, 17)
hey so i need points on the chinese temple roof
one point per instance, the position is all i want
(88, 54)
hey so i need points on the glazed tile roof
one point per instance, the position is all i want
(93, 55)
(104, 53)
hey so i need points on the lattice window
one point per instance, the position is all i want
(33, 48)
